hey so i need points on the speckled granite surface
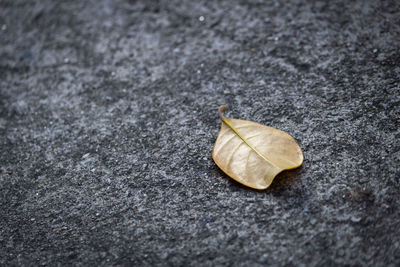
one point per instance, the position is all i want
(108, 114)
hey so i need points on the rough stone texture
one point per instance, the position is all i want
(108, 114)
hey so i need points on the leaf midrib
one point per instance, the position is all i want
(229, 124)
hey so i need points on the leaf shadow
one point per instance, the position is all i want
(285, 180)
(282, 182)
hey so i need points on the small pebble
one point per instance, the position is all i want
(261, 82)
(272, 38)
(201, 18)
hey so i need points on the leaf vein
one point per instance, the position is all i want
(233, 153)
(229, 124)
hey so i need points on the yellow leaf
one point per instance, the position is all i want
(252, 153)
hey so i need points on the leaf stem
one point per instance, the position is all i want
(220, 109)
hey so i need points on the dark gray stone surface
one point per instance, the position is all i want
(108, 114)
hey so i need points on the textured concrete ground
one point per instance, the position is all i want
(108, 115)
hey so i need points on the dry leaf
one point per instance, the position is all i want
(253, 154)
